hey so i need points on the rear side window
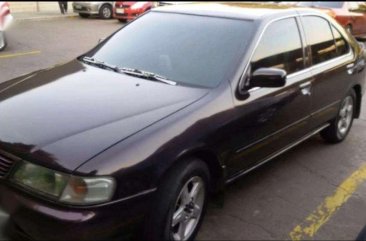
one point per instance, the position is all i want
(280, 47)
(341, 43)
(320, 38)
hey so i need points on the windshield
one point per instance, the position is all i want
(322, 4)
(192, 50)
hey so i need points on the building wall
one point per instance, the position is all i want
(35, 6)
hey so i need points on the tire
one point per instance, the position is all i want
(341, 125)
(171, 198)
(3, 41)
(122, 20)
(84, 15)
(105, 12)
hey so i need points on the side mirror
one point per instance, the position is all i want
(268, 77)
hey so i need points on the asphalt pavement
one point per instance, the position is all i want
(315, 191)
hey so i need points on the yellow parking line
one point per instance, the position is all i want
(308, 228)
(5, 56)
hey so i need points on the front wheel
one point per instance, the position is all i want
(3, 42)
(105, 12)
(341, 125)
(180, 204)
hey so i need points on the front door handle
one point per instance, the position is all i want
(306, 88)
(351, 68)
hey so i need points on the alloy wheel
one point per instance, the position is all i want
(107, 13)
(188, 209)
(345, 116)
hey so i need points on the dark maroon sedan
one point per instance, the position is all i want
(136, 134)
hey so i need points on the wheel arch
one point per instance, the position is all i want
(104, 4)
(217, 171)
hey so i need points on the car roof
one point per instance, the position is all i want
(248, 11)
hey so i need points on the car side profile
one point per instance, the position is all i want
(134, 136)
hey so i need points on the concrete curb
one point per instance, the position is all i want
(42, 18)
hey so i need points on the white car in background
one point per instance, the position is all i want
(5, 21)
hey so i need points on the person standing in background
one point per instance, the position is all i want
(63, 7)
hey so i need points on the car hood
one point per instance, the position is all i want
(63, 116)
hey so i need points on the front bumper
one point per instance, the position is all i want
(129, 14)
(39, 219)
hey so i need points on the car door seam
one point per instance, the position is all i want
(272, 134)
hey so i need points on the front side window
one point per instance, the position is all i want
(188, 49)
(320, 39)
(280, 47)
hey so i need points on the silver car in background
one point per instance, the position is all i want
(102, 9)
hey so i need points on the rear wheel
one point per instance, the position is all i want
(341, 125)
(84, 15)
(180, 204)
(105, 12)
(3, 42)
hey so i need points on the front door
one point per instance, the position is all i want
(271, 119)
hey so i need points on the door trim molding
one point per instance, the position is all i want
(273, 134)
(272, 156)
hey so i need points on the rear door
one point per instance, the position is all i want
(271, 119)
(331, 61)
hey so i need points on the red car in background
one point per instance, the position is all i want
(351, 15)
(124, 11)
(5, 21)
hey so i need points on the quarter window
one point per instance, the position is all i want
(341, 43)
(320, 39)
(280, 47)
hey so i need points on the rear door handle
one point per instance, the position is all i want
(306, 88)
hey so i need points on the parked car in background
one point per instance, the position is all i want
(124, 11)
(5, 20)
(137, 133)
(351, 15)
(85, 9)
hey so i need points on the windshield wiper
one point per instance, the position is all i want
(147, 75)
(130, 71)
(100, 64)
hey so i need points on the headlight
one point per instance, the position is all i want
(65, 188)
(40, 179)
(81, 190)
